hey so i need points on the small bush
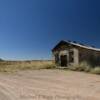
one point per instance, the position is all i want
(49, 66)
(83, 66)
(96, 70)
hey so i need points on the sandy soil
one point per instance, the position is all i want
(49, 85)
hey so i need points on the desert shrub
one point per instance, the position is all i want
(51, 66)
(83, 66)
(87, 68)
(95, 70)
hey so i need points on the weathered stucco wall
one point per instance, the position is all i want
(64, 50)
(90, 56)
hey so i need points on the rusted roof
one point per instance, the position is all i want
(76, 44)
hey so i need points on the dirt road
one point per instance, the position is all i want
(49, 85)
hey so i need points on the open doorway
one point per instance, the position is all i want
(63, 60)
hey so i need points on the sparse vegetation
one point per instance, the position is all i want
(95, 70)
(84, 66)
(13, 66)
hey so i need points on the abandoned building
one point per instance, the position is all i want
(67, 53)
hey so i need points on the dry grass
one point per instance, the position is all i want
(95, 70)
(13, 66)
(84, 66)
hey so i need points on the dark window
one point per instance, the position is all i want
(57, 58)
(71, 56)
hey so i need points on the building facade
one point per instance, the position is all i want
(67, 53)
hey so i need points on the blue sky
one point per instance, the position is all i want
(29, 29)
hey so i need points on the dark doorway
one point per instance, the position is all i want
(63, 60)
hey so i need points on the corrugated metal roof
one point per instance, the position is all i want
(81, 45)
(84, 46)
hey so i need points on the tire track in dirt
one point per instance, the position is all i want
(49, 85)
